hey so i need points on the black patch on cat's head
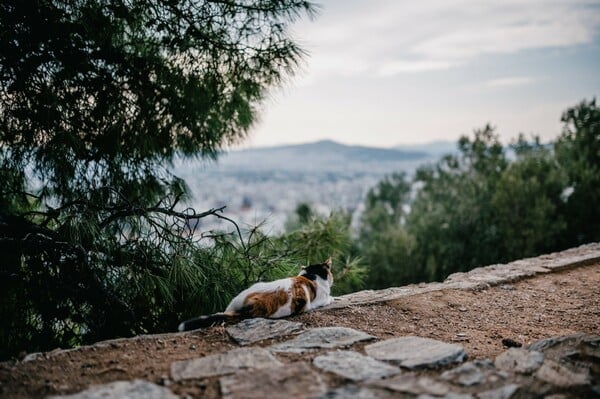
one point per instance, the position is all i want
(322, 270)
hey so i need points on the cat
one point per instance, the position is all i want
(280, 298)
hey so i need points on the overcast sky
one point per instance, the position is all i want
(390, 72)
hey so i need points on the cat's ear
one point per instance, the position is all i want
(328, 262)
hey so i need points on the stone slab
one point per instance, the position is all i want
(413, 384)
(565, 346)
(223, 363)
(519, 360)
(416, 352)
(505, 392)
(295, 380)
(136, 389)
(477, 372)
(449, 395)
(354, 366)
(358, 392)
(556, 374)
(323, 337)
(249, 331)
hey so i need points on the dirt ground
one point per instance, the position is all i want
(548, 305)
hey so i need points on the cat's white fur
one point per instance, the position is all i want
(322, 298)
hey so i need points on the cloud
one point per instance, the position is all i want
(402, 66)
(386, 38)
(511, 81)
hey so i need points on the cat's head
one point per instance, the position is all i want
(322, 270)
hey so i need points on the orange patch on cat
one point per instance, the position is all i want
(265, 304)
(300, 286)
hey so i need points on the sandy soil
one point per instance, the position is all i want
(548, 305)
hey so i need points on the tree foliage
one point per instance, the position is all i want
(96, 99)
(487, 204)
(578, 154)
(451, 219)
(383, 241)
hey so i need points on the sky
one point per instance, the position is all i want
(388, 72)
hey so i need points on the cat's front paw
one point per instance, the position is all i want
(330, 300)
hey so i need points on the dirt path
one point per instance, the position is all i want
(547, 305)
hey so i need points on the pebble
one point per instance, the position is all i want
(511, 343)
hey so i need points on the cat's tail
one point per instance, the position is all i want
(208, 321)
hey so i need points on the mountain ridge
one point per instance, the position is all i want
(330, 147)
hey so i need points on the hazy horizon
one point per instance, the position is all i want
(323, 140)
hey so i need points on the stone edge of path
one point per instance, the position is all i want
(481, 277)
(478, 278)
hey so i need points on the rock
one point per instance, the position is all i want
(295, 380)
(557, 374)
(253, 330)
(354, 366)
(33, 356)
(492, 275)
(471, 373)
(324, 337)
(505, 392)
(136, 389)
(545, 344)
(416, 352)
(511, 343)
(481, 277)
(519, 360)
(586, 253)
(356, 392)
(223, 363)
(577, 345)
(413, 384)
(449, 395)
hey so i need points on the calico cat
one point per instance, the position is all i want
(279, 298)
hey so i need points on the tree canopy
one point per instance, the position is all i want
(101, 93)
(97, 97)
(487, 203)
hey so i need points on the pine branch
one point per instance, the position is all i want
(164, 211)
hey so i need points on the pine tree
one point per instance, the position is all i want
(97, 98)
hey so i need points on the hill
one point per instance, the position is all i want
(323, 155)
(433, 148)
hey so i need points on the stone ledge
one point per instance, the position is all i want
(481, 277)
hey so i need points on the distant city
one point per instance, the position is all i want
(265, 185)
